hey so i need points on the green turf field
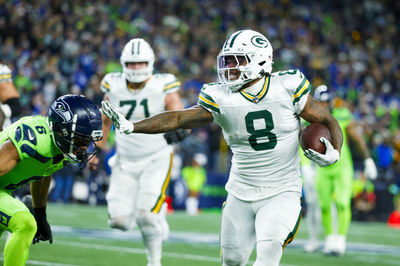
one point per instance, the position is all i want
(81, 237)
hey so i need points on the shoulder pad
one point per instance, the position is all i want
(211, 86)
(295, 83)
(171, 83)
(5, 73)
(108, 80)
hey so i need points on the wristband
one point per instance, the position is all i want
(40, 213)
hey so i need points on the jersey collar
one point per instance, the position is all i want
(260, 95)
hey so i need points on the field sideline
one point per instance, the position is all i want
(82, 237)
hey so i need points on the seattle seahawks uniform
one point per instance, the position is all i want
(39, 157)
(38, 154)
(264, 186)
(143, 160)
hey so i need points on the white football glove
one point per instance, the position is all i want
(120, 122)
(370, 171)
(331, 155)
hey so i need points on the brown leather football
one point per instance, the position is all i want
(310, 137)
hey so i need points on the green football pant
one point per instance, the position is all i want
(16, 218)
(334, 186)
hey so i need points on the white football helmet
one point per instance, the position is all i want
(248, 45)
(322, 94)
(137, 50)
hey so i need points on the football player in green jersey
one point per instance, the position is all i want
(334, 182)
(31, 150)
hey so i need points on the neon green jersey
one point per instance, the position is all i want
(344, 117)
(39, 157)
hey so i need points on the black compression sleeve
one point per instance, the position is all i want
(15, 106)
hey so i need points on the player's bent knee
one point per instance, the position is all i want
(149, 222)
(123, 223)
(146, 218)
(231, 257)
(269, 253)
(23, 223)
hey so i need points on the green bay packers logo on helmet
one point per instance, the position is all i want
(259, 41)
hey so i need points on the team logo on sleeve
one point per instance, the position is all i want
(259, 41)
(63, 110)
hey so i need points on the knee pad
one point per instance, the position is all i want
(231, 257)
(149, 223)
(325, 206)
(123, 223)
(268, 253)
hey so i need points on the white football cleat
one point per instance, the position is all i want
(311, 246)
(340, 245)
(330, 243)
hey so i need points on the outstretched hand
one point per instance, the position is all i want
(120, 122)
(331, 155)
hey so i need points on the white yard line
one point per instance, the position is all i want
(211, 239)
(43, 263)
(141, 251)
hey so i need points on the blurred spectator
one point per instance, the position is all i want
(64, 181)
(195, 176)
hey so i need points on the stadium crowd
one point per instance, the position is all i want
(59, 47)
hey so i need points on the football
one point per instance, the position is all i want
(310, 137)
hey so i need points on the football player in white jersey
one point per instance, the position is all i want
(259, 112)
(141, 174)
(9, 97)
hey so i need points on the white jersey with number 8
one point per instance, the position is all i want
(262, 131)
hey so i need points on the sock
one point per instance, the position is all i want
(192, 205)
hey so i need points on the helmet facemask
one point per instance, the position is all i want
(75, 146)
(75, 124)
(233, 70)
(253, 54)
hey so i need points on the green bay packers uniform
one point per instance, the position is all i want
(143, 161)
(6, 76)
(5, 73)
(261, 125)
